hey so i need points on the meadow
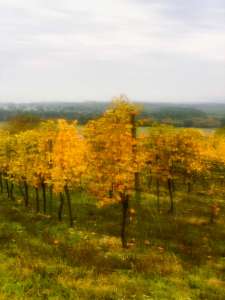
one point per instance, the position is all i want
(180, 256)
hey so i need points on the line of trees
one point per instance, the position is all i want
(108, 159)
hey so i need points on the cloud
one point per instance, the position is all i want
(97, 48)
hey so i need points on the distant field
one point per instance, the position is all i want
(141, 130)
(145, 130)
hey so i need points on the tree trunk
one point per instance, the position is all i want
(37, 200)
(26, 194)
(158, 194)
(69, 204)
(7, 187)
(1, 183)
(189, 187)
(60, 211)
(44, 197)
(11, 191)
(50, 198)
(125, 206)
(170, 189)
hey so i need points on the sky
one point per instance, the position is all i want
(150, 50)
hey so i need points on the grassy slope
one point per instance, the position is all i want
(183, 256)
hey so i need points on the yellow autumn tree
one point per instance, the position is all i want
(7, 153)
(69, 162)
(43, 160)
(173, 153)
(112, 164)
(21, 167)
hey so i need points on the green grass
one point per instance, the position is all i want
(169, 257)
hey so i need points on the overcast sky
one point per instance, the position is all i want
(154, 50)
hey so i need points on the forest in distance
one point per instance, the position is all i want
(108, 211)
(199, 115)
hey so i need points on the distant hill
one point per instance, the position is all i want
(207, 115)
(217, 109)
